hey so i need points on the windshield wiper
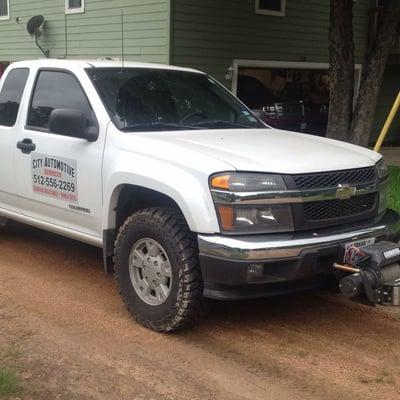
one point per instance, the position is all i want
(157, 126)
(219, 124)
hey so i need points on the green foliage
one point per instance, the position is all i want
(9, 383)
(394, 195)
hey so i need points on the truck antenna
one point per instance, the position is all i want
(66, 35)
(122, 39)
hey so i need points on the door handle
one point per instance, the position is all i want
(26, 146)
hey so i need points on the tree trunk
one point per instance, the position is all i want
(372, 74)
(341, 50)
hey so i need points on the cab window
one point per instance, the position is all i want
(11, 95)
(56, 90)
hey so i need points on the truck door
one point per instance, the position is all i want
(59, 176)
(10, 100)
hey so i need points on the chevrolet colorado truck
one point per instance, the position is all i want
(187, 192)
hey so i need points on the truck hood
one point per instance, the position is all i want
(272, 150)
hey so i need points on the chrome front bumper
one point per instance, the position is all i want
(283, 246)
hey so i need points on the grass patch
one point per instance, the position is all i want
(383, 377)
(9, 383)
(394, 193)
(11, 352)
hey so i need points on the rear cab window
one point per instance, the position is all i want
(11, 95)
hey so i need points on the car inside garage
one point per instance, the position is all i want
(287, 98)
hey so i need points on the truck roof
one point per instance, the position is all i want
(59, 63)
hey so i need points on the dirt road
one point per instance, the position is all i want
(65, 331)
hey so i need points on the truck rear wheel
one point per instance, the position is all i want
(157, 269)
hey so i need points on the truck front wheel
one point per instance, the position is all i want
(157, 269)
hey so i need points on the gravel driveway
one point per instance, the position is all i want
(65, 332)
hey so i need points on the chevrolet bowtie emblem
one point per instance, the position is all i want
(344, 192)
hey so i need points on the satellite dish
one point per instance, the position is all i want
(34, 28)
(35, 24)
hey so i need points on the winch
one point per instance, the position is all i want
(374, 278)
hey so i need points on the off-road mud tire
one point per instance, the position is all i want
(185, 303)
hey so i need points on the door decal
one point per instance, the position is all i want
(54, 177)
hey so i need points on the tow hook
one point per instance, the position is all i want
(375, 276)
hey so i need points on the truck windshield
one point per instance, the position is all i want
(139, 99)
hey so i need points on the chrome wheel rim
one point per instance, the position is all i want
(150, 271)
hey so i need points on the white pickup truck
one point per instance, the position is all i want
(181, 185)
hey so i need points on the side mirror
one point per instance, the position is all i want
(73, 123)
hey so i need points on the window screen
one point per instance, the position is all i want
(3, 8)
(11, 94)
(270, 5)
(72, 4)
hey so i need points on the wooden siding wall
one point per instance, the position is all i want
(209, 34)
(93, 34)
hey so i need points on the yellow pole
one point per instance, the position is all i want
(389, 120)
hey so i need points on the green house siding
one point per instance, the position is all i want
(209, 34)
(206, 34)
(93, 34)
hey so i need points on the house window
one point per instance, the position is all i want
(74, 6)
(4, 10)
(271, 7)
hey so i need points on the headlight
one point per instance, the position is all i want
(383, 198)
(255, 219)
(250, 218)
(247, 182)
(382, 170)
(383, 174)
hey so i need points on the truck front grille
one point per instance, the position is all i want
(360, 176)
(325, 213)
(334, 209)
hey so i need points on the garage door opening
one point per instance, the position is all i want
(290, 96)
